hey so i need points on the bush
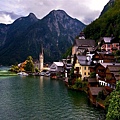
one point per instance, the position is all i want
(113, 112)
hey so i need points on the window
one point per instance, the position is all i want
(77, 69)
(84, 73)
(108, 45)
(84, 68)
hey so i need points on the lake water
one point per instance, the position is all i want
(40, 98)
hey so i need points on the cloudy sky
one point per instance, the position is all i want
(83, 10)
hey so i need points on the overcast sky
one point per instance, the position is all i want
(83, 10)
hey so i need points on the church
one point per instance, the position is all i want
(39, 64)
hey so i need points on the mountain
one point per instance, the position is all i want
(107, 6)
(107, 24)
(55, 32)
(3, 33)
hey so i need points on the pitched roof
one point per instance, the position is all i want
(114, 68)
(92, 80)
(95, 90)
(83, 60)
(117, 77)
(107, 39)
(60, 64)
(85, 42)
(105, 64)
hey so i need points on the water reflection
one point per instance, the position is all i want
(39, 98)
(78, 97)
(41, 82)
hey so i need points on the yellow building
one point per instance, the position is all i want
(82, 66)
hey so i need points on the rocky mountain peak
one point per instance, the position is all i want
(32, 16)
(55, 32)
(58, 14)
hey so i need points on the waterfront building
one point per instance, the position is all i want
(56, 69)
(82, 65)
(93, 93)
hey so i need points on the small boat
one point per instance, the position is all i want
(42, 73)
(47, 74)
(22, 74)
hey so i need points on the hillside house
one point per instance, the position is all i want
(81, 46)
(103, 74)
(82, 65)
(114, 69)
(103, 57)
(109, 44)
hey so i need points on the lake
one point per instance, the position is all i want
(40, 98)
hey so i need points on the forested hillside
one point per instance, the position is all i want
(108, 24)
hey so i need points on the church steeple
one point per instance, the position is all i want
(41, 59)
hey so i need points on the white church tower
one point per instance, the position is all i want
(41, 60)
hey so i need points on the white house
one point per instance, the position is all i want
(57, 67)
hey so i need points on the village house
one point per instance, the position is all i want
(109, 44)
(56, 69)
(67, 66)
(115, 70)
(103, 57)
(105, 74)
(92, 82)
(93, 93)
(82, 65)
(82, 45)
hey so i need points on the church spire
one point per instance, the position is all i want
(41, 59)
(42, 50)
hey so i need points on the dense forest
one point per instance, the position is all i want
(108, 24)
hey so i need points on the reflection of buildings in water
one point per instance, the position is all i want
(41, 81)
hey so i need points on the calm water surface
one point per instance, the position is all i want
(39, 98)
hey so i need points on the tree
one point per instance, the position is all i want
(106, 24)
(118, 53)
(68, 53)
(14, 68)
(92, 75)
(114, 106)
(29, 67)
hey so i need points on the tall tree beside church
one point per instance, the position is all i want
(29, 67)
